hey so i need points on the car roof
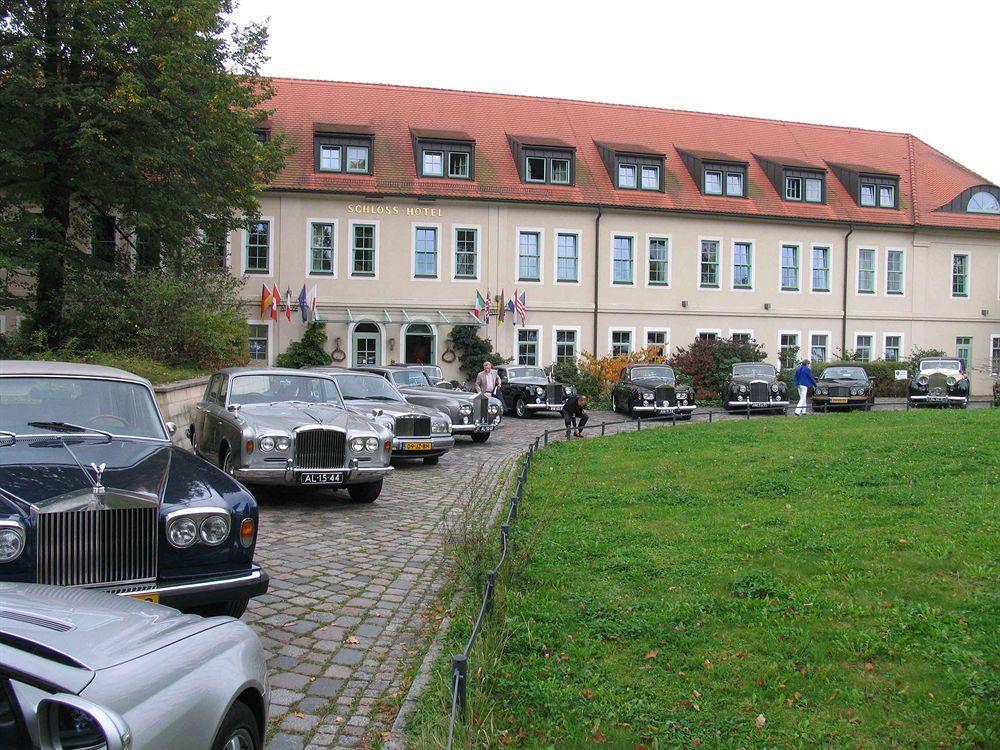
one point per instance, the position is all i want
(15, 367)
(233, 371)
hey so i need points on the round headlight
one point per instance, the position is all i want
(539, 390)
(11, 544)
(357, 444)
(494, 408)
(647, 396)
(465, 409)
(371, 444)
(743, 389)
(182, 532)
(567, 390)
(922, 380)
(215, 529)
(266, 444)
(282, 443)
(952, 380)
(774, 388)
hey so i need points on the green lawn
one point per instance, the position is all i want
(819, 582)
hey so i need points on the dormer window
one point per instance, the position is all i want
(329, 158)
(433, 164)
(343, 148)
(263, 135)
(978, 199)
(983, 203)
(877, 195)
(814, 189)
(651, 178)
(871, 187)
(795, 180)
(628, 176)
(357, 159)
(887, 196)
(534, 169)
(793, 188)
(458, 165)
(734, 184)
(559, 173)
(631, 166)
(543, 160)
(867, 194)
(724, 180)
(713, 182)
(443, 153)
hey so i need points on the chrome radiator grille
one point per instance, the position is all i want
(480, 407)
(97, 547)
(937, 384)
(319, 449)
(665, 395)
(758, 392)
(413, 426)
(554, 393)
(840, 391)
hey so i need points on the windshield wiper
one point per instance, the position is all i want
(68, 427)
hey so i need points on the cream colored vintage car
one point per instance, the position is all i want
(941, 381)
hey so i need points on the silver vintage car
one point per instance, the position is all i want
(89, 670)
(419, 432)
(290, 427)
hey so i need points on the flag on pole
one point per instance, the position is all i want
(501, 310)
(314, 304)
(276, 304)
(266, 300)
(511, 307)
(288, 304)
(304, 305)
(520, 306)
(552, 373)
(489, 307)
(480, 305)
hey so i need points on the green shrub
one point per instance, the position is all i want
(586, 382)
(886, 385)
(308, 351)
(473, 351)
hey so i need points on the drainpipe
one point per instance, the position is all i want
(597, 273)
(843, 327)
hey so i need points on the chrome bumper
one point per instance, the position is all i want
(664, 409)
(357, 475)
(544, 407)
(939, 399)
(465, 429)
(197, 592)
(758, 404)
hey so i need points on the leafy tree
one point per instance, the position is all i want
(473, 351)
(603, 372)
(143, 110)
(309, 350)
(707, 363)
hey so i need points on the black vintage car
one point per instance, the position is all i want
(651, 389)
(844, 387)
(940, 381)
(93, 493)
(526, 390)
(755, 386)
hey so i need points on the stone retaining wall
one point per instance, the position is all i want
(177, 401)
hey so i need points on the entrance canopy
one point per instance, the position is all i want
(401, 316)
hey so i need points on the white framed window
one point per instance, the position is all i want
(627, 176)
(529, 345)
(322, 258)
(357, 159)
(708, 334)
(983, 203)
(657, 261)
(433, 164)
(529, 255)
(466, 253)
(329, 158)
(793, 188)
(886, 196)
(650, 177)
(559, 171)
(892, 347)
(867, 270)
(534, 169)
(789, 346)
(364, 250)
(658, 337)
(814, 190)
(864, 345)
(743, 264)
(713, 182)
(623, 259)
(258, 247)
(565, 343)
(820, 269)
(426, 250)
(790, 264)
(741, 336)
(567, 257)
(620, 341)
(963, 351)
(868, 194)
(710, 258)
(819, 346)
(995, 354)
(259, 339)
(895, 271)
(458, 164)
(734, 184)
(959, 275)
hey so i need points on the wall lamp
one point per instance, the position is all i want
(684, 303)
(767, 305)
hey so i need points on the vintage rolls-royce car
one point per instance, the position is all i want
(471, 414)
(526, 390)
(651, 389)
(940, 381)
(93, 493)
(844, 387)
(433, 373)
(290, 427)
(755, 386)
(87, 670)
(418, 431)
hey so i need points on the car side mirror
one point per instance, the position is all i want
(376, 412)
(66, 720)
(234, 408)
(171, 427)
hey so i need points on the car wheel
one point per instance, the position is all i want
(432, 460)
(365, 493)
(234, 608)
(521, 408)
(226, 464)
(480, 437)
(239, 730)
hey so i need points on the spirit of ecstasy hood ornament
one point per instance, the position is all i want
(98, 473)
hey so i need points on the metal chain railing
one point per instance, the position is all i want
(460, 661)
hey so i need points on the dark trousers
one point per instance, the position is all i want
(572, 420)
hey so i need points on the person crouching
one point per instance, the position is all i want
(575, 415)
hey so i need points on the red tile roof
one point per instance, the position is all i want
(928, 178)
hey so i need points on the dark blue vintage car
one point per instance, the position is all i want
(94, 494)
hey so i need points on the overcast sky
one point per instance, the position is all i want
(927, 68)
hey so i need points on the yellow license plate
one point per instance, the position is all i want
(154, 598)
(418, 446)
(839, 400)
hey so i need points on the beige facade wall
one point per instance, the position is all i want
(925, 315)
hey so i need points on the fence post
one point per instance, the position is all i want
(491, 581)
(638, 424)
(546, 437)
(513, 508)
(710, 413)
(504, 537)
(603, 425)
(459, 671)
(748, 410)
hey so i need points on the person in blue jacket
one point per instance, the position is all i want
(804, 380)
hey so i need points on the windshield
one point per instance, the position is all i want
(409, 378)
(268, 389)
(641, 373)
(940, 364)
(844, 373)
(755, 370)
(432, 371)
(516, 373)
(114, 406)
(355, 387)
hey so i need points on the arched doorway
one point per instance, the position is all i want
(367, 345)
(419, 346)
